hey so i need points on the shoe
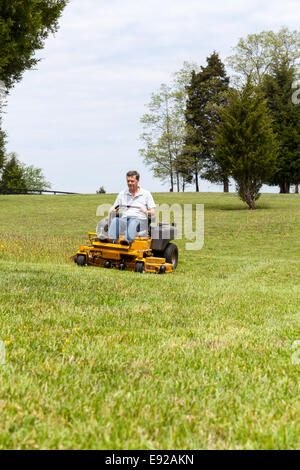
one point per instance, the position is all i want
(125, 242)
(105, 240)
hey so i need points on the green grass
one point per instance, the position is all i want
(102, 359)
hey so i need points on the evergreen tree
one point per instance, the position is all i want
(189, 163)
(277, 88)
(12, 175)
(245, 142)
(206, 94)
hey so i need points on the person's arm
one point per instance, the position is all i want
(150, 210)
(116, 203)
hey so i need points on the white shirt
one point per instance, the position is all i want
(142, 199)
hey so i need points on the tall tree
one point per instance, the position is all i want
(163, 135)
(277, 87)
(245, 142)
(189, 162)
(2, 133)
(258, 53)
(164, 129)
(2, 147)
(206, 94)
(24, 26)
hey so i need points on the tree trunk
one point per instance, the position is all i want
(296, 188)
(249, 199)
(197, 182)
(178, 182)
(169, 143)
(172, 182)
(251, 204)
(226, 185)
(285, 188)
(196, 175)
(248, 190)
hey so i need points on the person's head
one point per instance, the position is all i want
(132, 178)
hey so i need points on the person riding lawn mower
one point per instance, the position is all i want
(144, 248)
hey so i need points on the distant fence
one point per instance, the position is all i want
(31, 191)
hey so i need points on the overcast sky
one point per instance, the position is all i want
(77, 116)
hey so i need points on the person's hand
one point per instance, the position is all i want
(144, 210)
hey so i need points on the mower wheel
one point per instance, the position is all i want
(171, 255)
(107, 264)
(139, 267)
(80, 260)
(162, 269)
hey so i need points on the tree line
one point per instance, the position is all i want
(205, 124)
(24, 27)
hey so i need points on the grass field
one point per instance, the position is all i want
(102, 359)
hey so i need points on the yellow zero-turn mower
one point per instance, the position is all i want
(150, 252)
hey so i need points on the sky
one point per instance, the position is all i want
(77, 115)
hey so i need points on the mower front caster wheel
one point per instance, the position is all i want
(80, 260)
(139, 267)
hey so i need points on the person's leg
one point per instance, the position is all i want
(143, 227)
(133, 225)
(114, 229)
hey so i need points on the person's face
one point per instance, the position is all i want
(132, 183)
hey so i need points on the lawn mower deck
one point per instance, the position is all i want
(138, 257)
